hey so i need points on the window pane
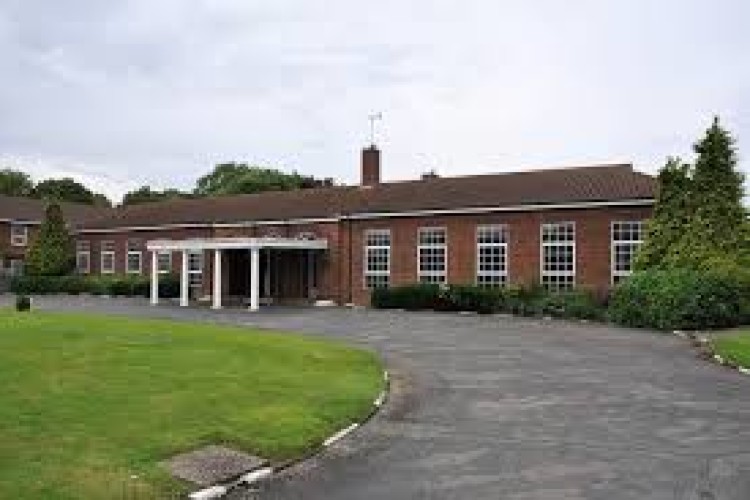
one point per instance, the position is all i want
(164, 262)
(377, 265)
(558, 256)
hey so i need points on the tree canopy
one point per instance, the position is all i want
(241, 178)
(699, 220)
(15, 183)
(69, 190)
(145, 194)
(52, 252)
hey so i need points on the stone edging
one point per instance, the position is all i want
(703, 344)
(265, 473)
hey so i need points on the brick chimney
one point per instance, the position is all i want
(370, 166)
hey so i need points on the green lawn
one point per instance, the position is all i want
(734, 347)
(89, 405)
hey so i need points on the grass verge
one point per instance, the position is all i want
(90, 405)
(734, 347)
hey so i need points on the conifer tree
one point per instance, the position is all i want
(52, 252)
(671, 213)
(699, 220)
(717, 230)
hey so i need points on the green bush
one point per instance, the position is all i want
(526, 301)
(470, 298)
(678, 299)
(574, 304)
(409, 297)
(123, 286)
(23, 303)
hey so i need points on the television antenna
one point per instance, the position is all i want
(374, 118)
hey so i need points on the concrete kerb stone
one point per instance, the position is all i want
(702, 342)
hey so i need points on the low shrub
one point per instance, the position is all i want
(576, 304)
(526, 301)
(23, 303)
(123, 286)
(470, 298)
(409, 297)
(679, 299)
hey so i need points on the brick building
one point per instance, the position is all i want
(561, 228)
(19, 222)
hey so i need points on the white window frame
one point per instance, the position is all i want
(16, 267)
(193, 272)
(616, 274)
(376, 273)
(19, 240)
(432, 277)
(168, 255)
(543, 245)
(133, 248)
(500, 276)
(83, 249)
(134, 253)
(104, 254)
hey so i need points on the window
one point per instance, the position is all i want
(559, 256)
(16, 267)
(83, 257)
(108, 257)
(492, 256)
(432, 255)
(377, 258)
(19, 235)
(134, 257)
(627, 237)
(195, 269)
(164, 262)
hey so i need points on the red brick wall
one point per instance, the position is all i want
(592, 245)
(341, 274)
(8, 251)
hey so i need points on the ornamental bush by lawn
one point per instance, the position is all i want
(525, 301)
(678, 299)
(123, 286)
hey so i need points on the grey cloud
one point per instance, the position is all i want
(142, 91)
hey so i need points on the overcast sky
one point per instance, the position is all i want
(130, 92)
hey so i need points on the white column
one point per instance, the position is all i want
(184, 279)
(217, 280)
(154, 278)
(254, 278)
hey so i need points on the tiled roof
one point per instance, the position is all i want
(555, 186)
(32, 210)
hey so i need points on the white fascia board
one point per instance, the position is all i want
(235, 243)
(211, 225)
(510, 208)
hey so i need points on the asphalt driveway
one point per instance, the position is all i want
(508, 408)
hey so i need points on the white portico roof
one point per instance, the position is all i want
(236, 244)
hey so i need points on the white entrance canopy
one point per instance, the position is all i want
(254, 245)
(236, 244)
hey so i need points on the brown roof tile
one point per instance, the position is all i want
(579, 184)
(32, 210)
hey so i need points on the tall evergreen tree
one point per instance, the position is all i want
(718, 228)
(671, 214)
(52, 252)
(699, 221)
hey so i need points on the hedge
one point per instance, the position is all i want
(680, 299)
(526, 301)
(127, 286)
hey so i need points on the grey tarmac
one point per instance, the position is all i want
(499, 407)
